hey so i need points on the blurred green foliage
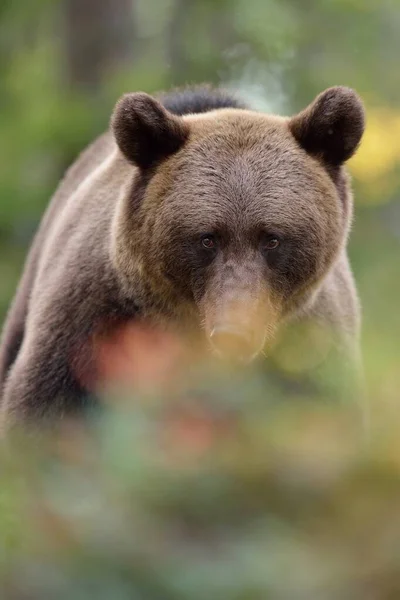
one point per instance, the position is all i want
(289, 504)
(172, 499)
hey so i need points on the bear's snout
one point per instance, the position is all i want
(237, 317)
(233, 343)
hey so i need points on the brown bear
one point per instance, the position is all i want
(196, 212)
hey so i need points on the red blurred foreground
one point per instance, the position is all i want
(142, 360)
(138, 357)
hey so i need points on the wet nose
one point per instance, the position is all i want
(232, 343)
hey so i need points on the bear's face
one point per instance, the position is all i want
(242, 215)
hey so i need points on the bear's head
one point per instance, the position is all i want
(232, 216)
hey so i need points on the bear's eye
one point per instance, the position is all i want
(270, 242)
(208, 241)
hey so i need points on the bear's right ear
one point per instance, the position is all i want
(145, 131)
(332, 126)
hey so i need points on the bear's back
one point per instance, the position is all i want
(13, 332)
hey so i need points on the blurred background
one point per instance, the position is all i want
(320, 510)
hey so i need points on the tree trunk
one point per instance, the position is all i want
(99, 38)
(177, 60)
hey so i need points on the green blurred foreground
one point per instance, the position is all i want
(229, 491)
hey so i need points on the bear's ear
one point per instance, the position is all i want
(145, 131)
(332, 126)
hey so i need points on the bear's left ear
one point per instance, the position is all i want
(332, 126)
(145, 131)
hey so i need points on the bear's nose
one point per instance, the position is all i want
(233, 343)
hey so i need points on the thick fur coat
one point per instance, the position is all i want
(192, 210)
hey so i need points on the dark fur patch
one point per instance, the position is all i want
(199, 99)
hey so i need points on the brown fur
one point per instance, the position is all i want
(122, 239)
